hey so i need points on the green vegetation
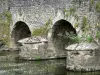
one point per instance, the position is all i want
(69, 12)
(72, 10)
(89, 38)
(98, 7)
(42, 30)
(86, 27)
(98, 35)
(97, 26)
(38, 57)
(5, 20)
(76, 25)
(91, 2)
(86, 30)
(76, 17)
(84, 23)
(39, 31)
(66, 12)
(74, 38)
(77, 39)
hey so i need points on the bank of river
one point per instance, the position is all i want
(10, 65)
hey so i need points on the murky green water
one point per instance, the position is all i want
(9, 65)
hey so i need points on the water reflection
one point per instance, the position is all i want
(10, 66)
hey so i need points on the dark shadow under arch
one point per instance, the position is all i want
(59, 33)
(20, 31)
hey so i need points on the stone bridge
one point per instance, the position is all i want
(28, 15)
(56, 17)
(56, 20)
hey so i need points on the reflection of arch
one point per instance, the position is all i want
(20, 31)
(59, 31)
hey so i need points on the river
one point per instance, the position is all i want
(10, 65)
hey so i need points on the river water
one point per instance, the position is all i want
(10, 65)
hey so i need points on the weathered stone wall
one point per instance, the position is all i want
(36, 13)
(3, 5)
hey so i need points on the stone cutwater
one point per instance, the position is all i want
(33, 48)
(83, 57)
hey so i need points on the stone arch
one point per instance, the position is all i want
(60, 32)
(20, 31)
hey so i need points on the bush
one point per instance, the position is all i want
(5, 20)
(74, 38)
(89, 38)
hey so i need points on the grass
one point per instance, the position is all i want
(42, 30)
(84, 23)
(39, 32)
(69, 12)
